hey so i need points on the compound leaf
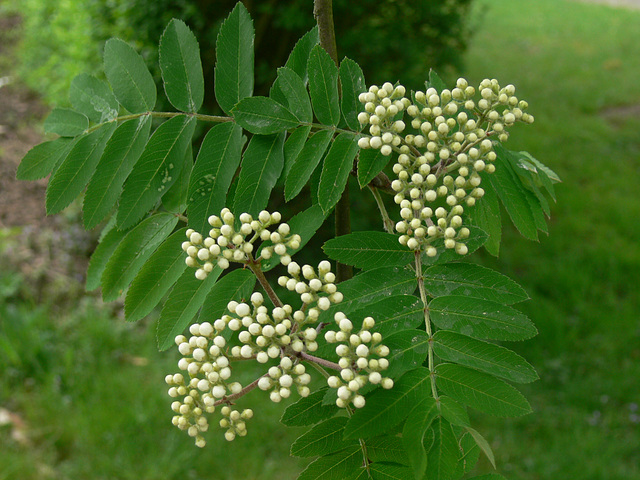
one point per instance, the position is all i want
(215, 166)
(483, 356)
(41, 159)
(337, 165)
(76, 169)
(370, 163)
(481, 391)
(479, 318)
(156, 277)
(408, 350)
(66, 122)
(389, 471)
(182, 305)
(471, 280)
(442, 459)
(336, 466)
(352, 84)
(413, 434)
(306, 162)
(368, 250)
(181, 67)
(129, 77)
(261, 166)
(235, 285)
(292, 148)
(291, 91)
(93, 98)
(323, 86)
(323, 439)
(133, 251)
(234, 59)
(156, 170)
(101, 256)
(387, 408)
(299, 56)
(263, 115)
(308, 410)
(120, 155)
(386, 448)
(392, 314)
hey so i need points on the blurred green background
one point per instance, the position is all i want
(81, 391)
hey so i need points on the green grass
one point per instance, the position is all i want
(573, 63)
(93, 409)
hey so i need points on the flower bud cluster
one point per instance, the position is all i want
(280, 379)
(440, 160)
(208, 369)
(234, 422)
(225, 244)
(361, 360)
(311, 286)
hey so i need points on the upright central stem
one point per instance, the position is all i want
(427, 320)
(323, 13)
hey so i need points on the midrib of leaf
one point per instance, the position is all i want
(192, 105)
(474, 316)
(133, 80)
(264, 167)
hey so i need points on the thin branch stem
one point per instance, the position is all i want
(386, 220)
(319, 361)
(427, 320)
(244, 391)
(254, 266)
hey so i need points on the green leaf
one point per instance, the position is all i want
(389, 471)
(263, 116)
(471, 452)
(133, 251)
(235, 285)
(336, 466)
(413, 434)
(323, 439)
(129, 77)
(483, 444)
(261, 166)
(323, 86)
(387, 408)
(93, 98)
(291, 91)
(120, 155)
(512, 195)
(306, 163)
(486, 215)
(368, 287)
(392, 314)
(217, 162)
(368, 250)
(370, 163)
(181, 67)
(435, 81)
(101, 256)
(480, 318)
(305, 224)
(471, 280)
(337, 165)
(453, 412)
(476, 239)
(489, 476)
(409, 349)
(308, 410)
(182, 305)
(352, 84)
(41, 159)
(547, 176)
(77, 168)
(292, 148)
(156, 277)
(66, 122)
(234, 59)
(156, 170)
(483, 356)
(442, 459)
(299, 56)
(387, 448)
(174, 200)
(481, 391)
